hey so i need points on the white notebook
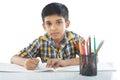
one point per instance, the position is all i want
(5, 67)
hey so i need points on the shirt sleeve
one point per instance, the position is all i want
(31, 50)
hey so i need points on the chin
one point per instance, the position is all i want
(55, 37)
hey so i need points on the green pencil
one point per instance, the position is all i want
(94, 45)
(99, 46)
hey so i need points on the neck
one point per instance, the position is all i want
(57, 42)
(57, 45)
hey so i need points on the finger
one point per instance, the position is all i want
(55, 63)
(34, 61)
(30, 65)
(49, 63)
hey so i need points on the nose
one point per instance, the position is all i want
(53, 27)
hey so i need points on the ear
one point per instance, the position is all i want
(44, 26)
(67, 23)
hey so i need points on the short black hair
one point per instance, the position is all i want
(55, 8)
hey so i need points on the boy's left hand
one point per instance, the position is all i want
(54, 63)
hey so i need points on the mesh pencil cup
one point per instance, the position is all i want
(88, 65)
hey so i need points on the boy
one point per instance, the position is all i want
(56, 47)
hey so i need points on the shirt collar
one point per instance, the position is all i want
(68, 36)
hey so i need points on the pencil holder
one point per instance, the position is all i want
(88, 65)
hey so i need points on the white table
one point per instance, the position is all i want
(103, 75)
(107, 74)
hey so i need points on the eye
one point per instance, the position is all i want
(58, 22)
(48, 24)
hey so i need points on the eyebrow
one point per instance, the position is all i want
(56, 20)
(59, 20)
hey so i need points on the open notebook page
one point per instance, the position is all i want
(5, 67)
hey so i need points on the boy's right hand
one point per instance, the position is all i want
(31, 64)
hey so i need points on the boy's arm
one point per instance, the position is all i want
(17, 60)
(23, 57)
(73, 61)
(28, 63)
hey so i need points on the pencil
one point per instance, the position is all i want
(89, 45)
(99, 46)
(94, 45)
(87, 51)
(30, 56)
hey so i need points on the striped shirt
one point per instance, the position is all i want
(45, 48)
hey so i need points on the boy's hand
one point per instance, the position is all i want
(54, 63)
(31, 64)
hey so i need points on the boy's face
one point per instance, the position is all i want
(55, 26)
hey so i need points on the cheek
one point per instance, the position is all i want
(46, 29)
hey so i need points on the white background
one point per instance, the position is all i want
(21, 23)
